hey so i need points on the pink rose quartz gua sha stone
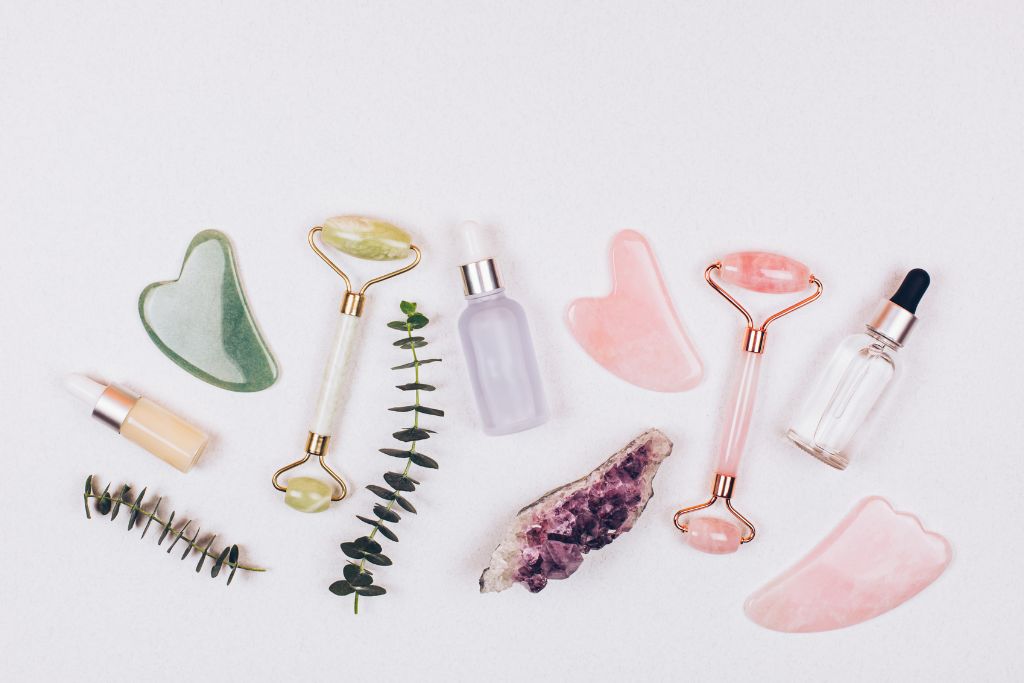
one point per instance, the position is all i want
(761, 272)
(634, 332)
(875, 560)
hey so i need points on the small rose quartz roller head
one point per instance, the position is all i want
(364, 238)
(757, 271)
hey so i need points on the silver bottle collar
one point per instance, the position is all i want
(893, 322)
(481, 277)
(113, 406)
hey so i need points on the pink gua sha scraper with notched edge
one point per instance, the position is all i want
(634, 332)
(875, 560)
(760, 272)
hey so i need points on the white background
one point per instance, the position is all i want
(862, 138)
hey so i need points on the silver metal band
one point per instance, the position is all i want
(481, 277)
(113, 406)
(893, 322)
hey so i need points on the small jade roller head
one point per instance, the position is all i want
(365, 238)
(756, 271)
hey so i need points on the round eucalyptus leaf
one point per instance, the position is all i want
(383, 513)
(424, 461)
(379, 559)
(411, 434)
(368, 544)
(399, 481)
(417, 321)
(409, 340)
(353, 573)
(380, 492)
(220, 562)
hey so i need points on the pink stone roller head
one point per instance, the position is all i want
(757, 271)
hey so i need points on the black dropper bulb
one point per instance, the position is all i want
(914, 285)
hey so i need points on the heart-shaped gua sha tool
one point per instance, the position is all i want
(634, 332)
(875, 560)
(202, 321)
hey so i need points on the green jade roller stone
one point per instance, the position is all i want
(307, 494)
(202, 321)
(367, 238)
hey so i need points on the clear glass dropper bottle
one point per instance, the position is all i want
(853, 382)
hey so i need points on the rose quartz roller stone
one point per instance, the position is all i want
(757, 271)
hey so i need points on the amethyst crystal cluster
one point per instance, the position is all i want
(549, 537)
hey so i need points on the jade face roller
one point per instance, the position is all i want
(368, 239)
(760, 272)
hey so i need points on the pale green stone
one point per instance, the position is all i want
(307, 494)
(367, 238)
(202, 321)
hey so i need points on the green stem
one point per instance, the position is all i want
(416, 359)
(408, 462)
(142, 513)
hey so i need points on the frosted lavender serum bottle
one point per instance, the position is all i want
(496, 342)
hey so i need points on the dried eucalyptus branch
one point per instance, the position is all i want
(105, 504)
(365, 549)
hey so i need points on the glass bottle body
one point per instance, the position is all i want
(502, 364)
(844, 397)
(164, 434)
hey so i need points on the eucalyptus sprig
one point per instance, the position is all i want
(358, 579)
(106, 503)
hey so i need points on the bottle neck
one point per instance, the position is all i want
(486, 296)
(889, 344)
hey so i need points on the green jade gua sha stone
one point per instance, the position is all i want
(202, 321)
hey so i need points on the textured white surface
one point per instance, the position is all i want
(861, 138)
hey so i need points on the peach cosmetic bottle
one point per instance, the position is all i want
(142, 422)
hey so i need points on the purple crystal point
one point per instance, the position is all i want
(549, 537)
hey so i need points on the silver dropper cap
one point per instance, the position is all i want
(893, 322)
(480, 273)
(481, 277)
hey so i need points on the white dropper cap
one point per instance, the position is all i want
(86, 389)
(476, 245)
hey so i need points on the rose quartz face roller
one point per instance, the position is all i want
(757, 271)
